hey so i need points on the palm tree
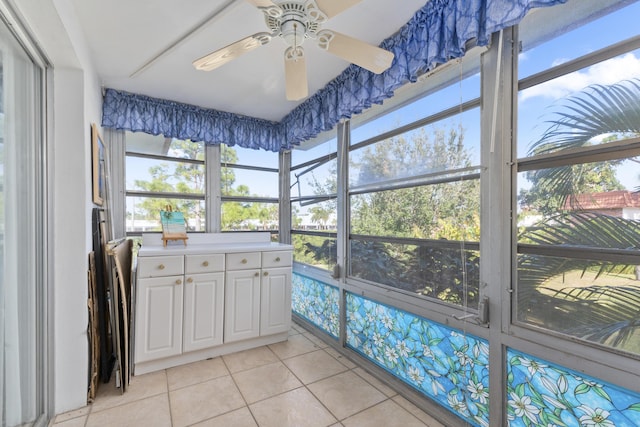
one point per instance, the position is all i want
(320, 216)
(613, 317)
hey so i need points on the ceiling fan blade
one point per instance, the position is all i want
(222, 56)
(261, 3)
(356, 51)
(295, 71)
(333, 7)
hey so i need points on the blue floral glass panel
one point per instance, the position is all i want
(317, 302)
(543, 394)
(447, 365)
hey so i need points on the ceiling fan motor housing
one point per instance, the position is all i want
(294, 21)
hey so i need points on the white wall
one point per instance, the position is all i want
(631, 213)
(69, 166)
(75, 102)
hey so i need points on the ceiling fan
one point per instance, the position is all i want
(295, 21)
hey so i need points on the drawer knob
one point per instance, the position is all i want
(205, 264)
(266, 273)
(256, 274)
(190, 280)
(178, 282)
(278, 259)
(244, 260)
(161, 267)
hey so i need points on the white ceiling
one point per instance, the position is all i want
(148, 46)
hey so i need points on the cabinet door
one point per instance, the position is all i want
(158, 318)
(203, 311)
(242, 305)
(275, 305)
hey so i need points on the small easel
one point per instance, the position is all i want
(174, 236)
(173, 226)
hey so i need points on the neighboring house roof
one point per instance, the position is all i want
(605, 200)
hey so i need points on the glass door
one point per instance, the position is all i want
(22, 231)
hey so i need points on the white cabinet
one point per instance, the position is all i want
(159, 308)
(203, 311)
(191, 306)
(178, 311)
(242, 305)
(275, 300)
(159, 319)
(203, 301)
(258, 298)
(275, 289)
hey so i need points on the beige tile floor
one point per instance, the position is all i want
(298, 383)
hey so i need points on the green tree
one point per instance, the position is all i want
(613, 305)
(434, 213)
(190, 178)
(227, 177)
(320, 215)
(581, 119)
(438, 211)
(235, 215)
(181, 178)
(547, 198)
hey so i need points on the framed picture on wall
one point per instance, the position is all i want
(98, 166)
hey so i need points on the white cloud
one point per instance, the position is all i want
(559, 61)
(608, 72)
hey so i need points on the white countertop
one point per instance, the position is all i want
(179, 248)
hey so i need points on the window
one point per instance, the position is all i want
(578, 185)
(159, 172)
(249, 188)
(313, 205)
(414, 197)
(163, 171)
(448, 97)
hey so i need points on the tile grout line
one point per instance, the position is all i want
(310, 392)
(303, 385)
(348, 369)
(353, 370)
(166, 375)
(244, 399)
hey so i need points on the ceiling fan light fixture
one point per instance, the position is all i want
(293, 33)
(294, 53)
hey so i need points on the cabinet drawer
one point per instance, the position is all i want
(276, 259)
(157, 266)
(243, 261)
(209, 263)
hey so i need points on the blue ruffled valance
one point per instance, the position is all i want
(139, 113)
(437, 33)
